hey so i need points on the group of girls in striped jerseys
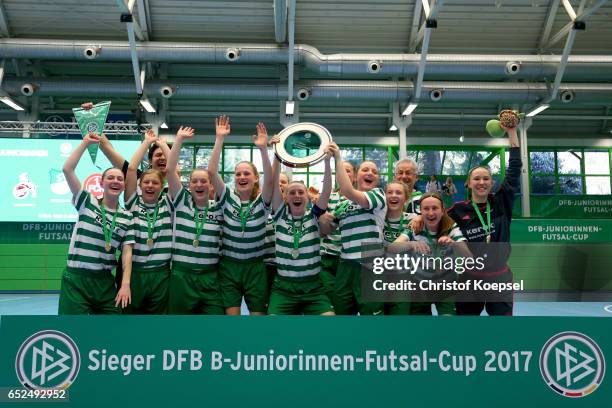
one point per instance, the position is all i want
(186, 251)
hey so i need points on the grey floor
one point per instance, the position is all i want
(39, 304)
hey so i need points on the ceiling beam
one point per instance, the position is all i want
(550, 20)
(127, 8)
(581, 17)
(434, 8)
(144, 19)
(280, 21)
(4, 27)
(416, 20)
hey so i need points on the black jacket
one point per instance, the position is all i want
(501, 215)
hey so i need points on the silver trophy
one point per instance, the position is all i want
(302, 144)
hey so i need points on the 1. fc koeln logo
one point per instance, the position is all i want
(572, 364)
(48, 359)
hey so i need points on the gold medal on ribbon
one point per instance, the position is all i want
(488, 238)
(196, 243)
(107, 246)
(150, 242)
(295, 253)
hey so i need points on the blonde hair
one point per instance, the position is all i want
(446, 223)
(203, 170)
(404, 187)
(155, 172)
(256, 187)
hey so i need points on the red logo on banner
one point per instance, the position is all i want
(93, 185)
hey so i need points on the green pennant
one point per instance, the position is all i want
(92, 121)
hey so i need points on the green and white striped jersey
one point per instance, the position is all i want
(160, 252)
(205, 252)
(306, 259)
(454, 233)
(359, 226)
(330, 244)
(433, 272)
(238, 243)
(86, 249)
(413, 205)
(393, 229)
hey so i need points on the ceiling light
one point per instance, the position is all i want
(8, 101)
(393, 128)
(289, 108)
(410, 108)
(147, 105)
(537, 110)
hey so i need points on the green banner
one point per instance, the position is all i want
(579, 206)
(92, 121)
(561, 231)
(522, 231)
(35, 232)
(408, 361)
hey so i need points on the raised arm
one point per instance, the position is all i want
(261, 141)
(71, 162)
(327, 179)
(174, 180)
(222, 129)
(277, 195)
(116, 159)
(346, 188)
(131, 176)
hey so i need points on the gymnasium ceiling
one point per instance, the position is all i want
(348, 100)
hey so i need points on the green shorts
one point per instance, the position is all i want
(424, 308)
(248, 279)
(296, 296)
(87, 292)
(329, 266)
(347, 291)
(195, 291)
(150, 288)
(270, 274)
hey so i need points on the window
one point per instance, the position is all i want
(569, 162)
(458, 163)
(597, 170)
(542, 162)
(430, 162)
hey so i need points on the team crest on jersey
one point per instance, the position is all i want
(391, 235)
(108, 223)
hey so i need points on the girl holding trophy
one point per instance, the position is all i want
(297, 287)
(360, 216)
(103, 227)
(152, 233)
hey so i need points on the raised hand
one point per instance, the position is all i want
(332, 150)
(274, 140)
(185, 132)
(150, 136)
(222, 126)
(91, 138)
(261, 138)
